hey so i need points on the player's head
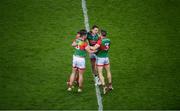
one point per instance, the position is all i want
(103, 33)
(95, 29)
(78, 32)
(83, 34)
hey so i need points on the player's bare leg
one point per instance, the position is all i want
(72, 77)
(101, 77)
(93, 65)
(109, 76)
(81, 72)
(95, 72)
(75, 80)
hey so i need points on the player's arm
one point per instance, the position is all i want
(74, 44)
(77, 36)
(95, 47)
(88, 49)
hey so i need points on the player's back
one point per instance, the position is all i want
(104, 47)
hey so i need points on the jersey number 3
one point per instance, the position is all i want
(107, 46)
(77, 47)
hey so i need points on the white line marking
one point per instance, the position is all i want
(86, 22)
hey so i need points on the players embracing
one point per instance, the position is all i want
(98, 49)
(92, 37)
(78, 64)
(102, 60)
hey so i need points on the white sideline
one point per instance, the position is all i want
(86, 22)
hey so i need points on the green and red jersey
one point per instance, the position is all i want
(104, 47)
(92, 38)
(80, 48)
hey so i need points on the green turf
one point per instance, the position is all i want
(144, 52)
(35, 53)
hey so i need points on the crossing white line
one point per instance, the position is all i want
(86, 22)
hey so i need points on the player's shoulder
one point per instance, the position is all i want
(106, 39)
(85, 43)
(89, 33)
(78, 40)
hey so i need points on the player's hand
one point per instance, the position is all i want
(74, 44)
(93, 51)
(91, 47)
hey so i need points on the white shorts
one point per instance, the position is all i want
(92, 56)
(79, 62)
(102, 61)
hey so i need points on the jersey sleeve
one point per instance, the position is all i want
(85, 45)
(99, 42)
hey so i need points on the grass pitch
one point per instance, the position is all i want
(35, 53)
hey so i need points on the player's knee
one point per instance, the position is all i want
(101, 76)
(109, 76)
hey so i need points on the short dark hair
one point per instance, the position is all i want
(94, 26)
(82, 32)
(103, 33)
(78, 32)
